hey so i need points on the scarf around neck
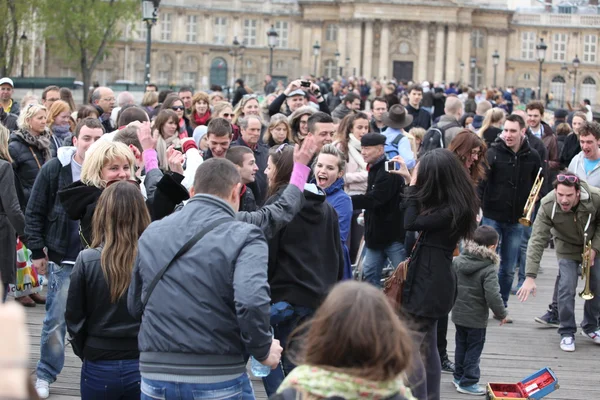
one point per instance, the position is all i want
(41, 142)
(201, 120)
(354, 152)
(61, 131)
(323, 383)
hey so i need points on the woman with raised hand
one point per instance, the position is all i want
(103, 333)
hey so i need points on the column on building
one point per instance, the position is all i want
(451, 56)
(466, 54)
(438, 72)
(307, 56)
(492, 44)
(177, 74)
(384, 51)
(153, 66)
(355, 48)
(423, 53)
(503, 51)
(367, 69)
(237, 30)
(342, 40)
(317, 36)
(205, 63)
(208, 27)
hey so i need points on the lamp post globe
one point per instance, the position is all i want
(496, 59)
(272, 36)
(316, 51)
(149, 15)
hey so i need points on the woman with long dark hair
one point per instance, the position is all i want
(173, 102)
(471, 151)
(103, 333)
(441, 204)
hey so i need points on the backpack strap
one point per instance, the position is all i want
(453, 124)
(397, 139)
(186, 247)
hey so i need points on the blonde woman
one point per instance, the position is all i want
(30, 146)
(150, 101)
(12, 221)
(248, 106)
(104, 334)
(224, 109)
(105, 162)
(60, 122)
(491, 127)
(278, 131)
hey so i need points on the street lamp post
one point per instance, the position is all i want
(23, 40)
(541, 53)
(496, 58)
(237, 51)
(575, 67)
(149, 15)
(462, 70)
(473, 64)
(316, 51)
(347, 66)
(337, 62)
(272, 36)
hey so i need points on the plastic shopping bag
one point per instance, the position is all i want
(28, 281)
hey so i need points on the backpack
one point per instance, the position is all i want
(391, 149)
(435, 137)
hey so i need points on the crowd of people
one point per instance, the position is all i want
(186, 236)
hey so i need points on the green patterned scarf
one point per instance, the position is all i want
(321, 383)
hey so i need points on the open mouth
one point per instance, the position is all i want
(322, 179)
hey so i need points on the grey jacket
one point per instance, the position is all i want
(212, 304)
(478, 288)
(577, 167)
(449, 133)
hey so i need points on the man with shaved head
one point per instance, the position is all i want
(453, 110)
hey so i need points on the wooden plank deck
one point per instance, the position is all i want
(511, 352)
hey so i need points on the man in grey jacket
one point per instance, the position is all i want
(212, 305)
(453, 110)
(586, 164)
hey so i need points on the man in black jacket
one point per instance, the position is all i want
(384, 232)
(293, 96)
(421, 118)
(103, 99)
(513, 167)
(48, 226)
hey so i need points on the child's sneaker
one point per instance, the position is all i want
(567, 343)
(595, 336)
(456, 382)
(475, 390)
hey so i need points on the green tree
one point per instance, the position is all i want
(83, 30)
(16, 15)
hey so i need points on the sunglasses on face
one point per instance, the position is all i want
(227, 115)
(133, 182)
(249, 96)
(178, 108)
(568, 178)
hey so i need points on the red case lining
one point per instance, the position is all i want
(518, 390)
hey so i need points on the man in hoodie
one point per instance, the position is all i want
(586, 164)
(571, 213)
(384, 233)
(480, 111)
(60, 236)
(513, 167)
(350, 104)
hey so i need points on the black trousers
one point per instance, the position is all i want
(442, 332)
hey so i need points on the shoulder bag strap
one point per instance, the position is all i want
(35, 157)
(186, 247)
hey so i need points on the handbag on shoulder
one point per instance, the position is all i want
(394, 285)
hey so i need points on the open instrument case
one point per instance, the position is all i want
(534, 386)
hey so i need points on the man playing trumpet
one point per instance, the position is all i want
(571, 212)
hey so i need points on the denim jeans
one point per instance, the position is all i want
(567, 290)
(239, 388)
(282, 332)
(469, 346)
(511, 236)
(52, 346)
(522, 256)
(375, 261)
(110, 379)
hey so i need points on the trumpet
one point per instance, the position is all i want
(586, 294)
(533, 195)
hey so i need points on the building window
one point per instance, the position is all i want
(103, 76)
(566, 9)
(250, 32)
(282, 29)
(164, 77)
(527, 76)
(590, 47)
(279, 64)
(189, 78)
(588, 90)
(140, 76)
(192, 28)
(141, 30)
(331, 33)
(165, 27)
(528, 46)
(477, 37)
(559, 47)
(220, 32)
(476, 77)
(330, 69)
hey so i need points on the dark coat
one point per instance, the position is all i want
(247, 201)
(261, 154)
(490, 135)
(275, 107)
(508, 181)
(430, 287)
(25, 163)
(383, 216)
(12, 222)
(570, 149)
(421, 118)
(92, 318)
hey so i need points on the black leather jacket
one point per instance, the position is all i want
(92, 319)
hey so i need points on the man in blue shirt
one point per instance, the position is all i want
(396, 141)
(585, 164)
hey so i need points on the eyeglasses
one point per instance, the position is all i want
(109, 99)
(133, 182)
(303, 122)
(475, 152)
(178, 108)
(280, 148)
(568, 178)
(227, 115)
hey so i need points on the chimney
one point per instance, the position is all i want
(548, 4)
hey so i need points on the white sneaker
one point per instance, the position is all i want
(42, 388)
(595, 336)
(567, 343)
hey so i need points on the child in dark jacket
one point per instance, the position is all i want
(478, 290)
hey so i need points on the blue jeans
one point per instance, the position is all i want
(239, 388)
(282, 332)
(110, 379)
(511, 236)
(522, 257)
(375, 261)
(52, 346)
(469, 346)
